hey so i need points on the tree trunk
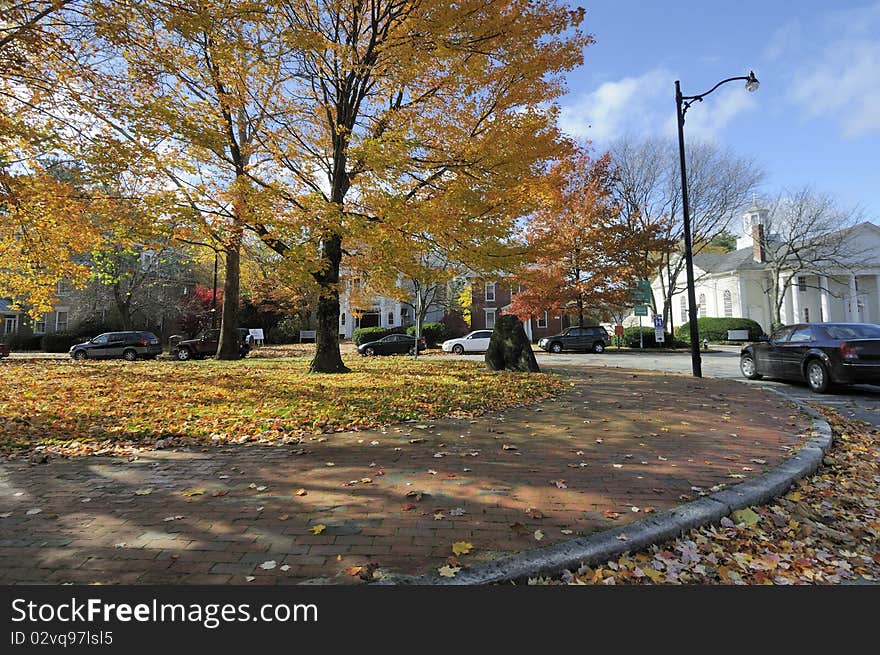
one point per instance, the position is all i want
(228, 347)
(327, 358)
(580, 302)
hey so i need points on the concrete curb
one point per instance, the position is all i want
(610, 544)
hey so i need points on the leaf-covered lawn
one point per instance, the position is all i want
(72, 408)
(825, 530)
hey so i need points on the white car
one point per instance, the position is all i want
(475, 342)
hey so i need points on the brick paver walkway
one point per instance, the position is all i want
(617, 441)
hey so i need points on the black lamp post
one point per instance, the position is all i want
(683, 103)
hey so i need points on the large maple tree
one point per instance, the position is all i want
(584, 250)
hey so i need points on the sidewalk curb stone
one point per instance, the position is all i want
(608, 544)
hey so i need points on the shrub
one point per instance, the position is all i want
(715, 329)
(59, 342)
(433, 333)
(455, 324)
(631, 338)
(23, 341)
(287, 330)
(364, 335)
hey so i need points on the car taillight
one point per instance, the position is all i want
(144, 342)
(848, 352)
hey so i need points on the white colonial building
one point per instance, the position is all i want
(738, 283)
(361, 310)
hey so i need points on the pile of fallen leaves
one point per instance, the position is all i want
(73, 408)
(825, 530)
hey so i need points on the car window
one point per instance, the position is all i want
(781, 334)
(842, 332)
(483, 335)
(115, 336)
(801, 335)
(388, 339)
(100, 339)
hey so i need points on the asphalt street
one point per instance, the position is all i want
(860, 402)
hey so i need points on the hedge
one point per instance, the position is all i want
(59, 342)
(631, 338)
(365, 335)
(20, 342)
(432, 333)
(715, 329)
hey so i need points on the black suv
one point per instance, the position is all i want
(111, 345)
(595, 339)
(205, 345)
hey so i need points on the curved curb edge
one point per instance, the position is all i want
(610, 544)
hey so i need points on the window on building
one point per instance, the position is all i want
(390, 318)
(728, 304)
(702, 305)
(684, 309)
(342, 318)
(490, 319)
(806, 314)
(40, 325)
(802, 284)
(10, 324)
(404, 314)
(543, 320)
(63, 287)
(490, 292)
(60, 321)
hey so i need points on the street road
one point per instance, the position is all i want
(861, 402)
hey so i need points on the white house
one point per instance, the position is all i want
(357, 310)
(736, 284)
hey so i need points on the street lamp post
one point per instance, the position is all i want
(683, 103)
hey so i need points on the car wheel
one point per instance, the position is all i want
(130, 355)
(556, 347)
(412, 350)
(80, 355)
(369, 352)
(817, 376)
(748, 368)
(598, 347)
(458, 349)
(184, 354)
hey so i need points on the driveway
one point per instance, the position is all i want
(860, 402)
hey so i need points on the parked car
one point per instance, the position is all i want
(393, 344)
(821, 354)
(4, 350)
(111, 345)
(205, 345)
(595, 339)
(475, 342)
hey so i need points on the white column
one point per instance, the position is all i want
(743, 301)
(527, 326)
(795, 301)
(824, 298)
(786, 307)
(877, 294)
(853, 304)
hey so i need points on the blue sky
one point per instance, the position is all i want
(815, 120)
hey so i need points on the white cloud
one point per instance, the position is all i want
(645, 105)
(842, 80)
(631, 104)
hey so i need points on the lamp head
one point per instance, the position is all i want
(752, 83)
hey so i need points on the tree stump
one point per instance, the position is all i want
(509, 347)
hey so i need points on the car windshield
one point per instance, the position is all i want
(843, 332)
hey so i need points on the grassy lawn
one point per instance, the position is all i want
(113, 407)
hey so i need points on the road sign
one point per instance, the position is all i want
(642, 291)
(659, 337)
(658, 322)
(643, 285)
(618, 330)
(641, 310)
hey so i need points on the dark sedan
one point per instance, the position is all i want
(127, 345)
(820, 354)
(393, 344)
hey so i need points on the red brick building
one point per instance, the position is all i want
(490, 298)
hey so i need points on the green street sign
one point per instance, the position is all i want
(641, 310)
(644, 286)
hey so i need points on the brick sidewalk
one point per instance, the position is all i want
(615, 442)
